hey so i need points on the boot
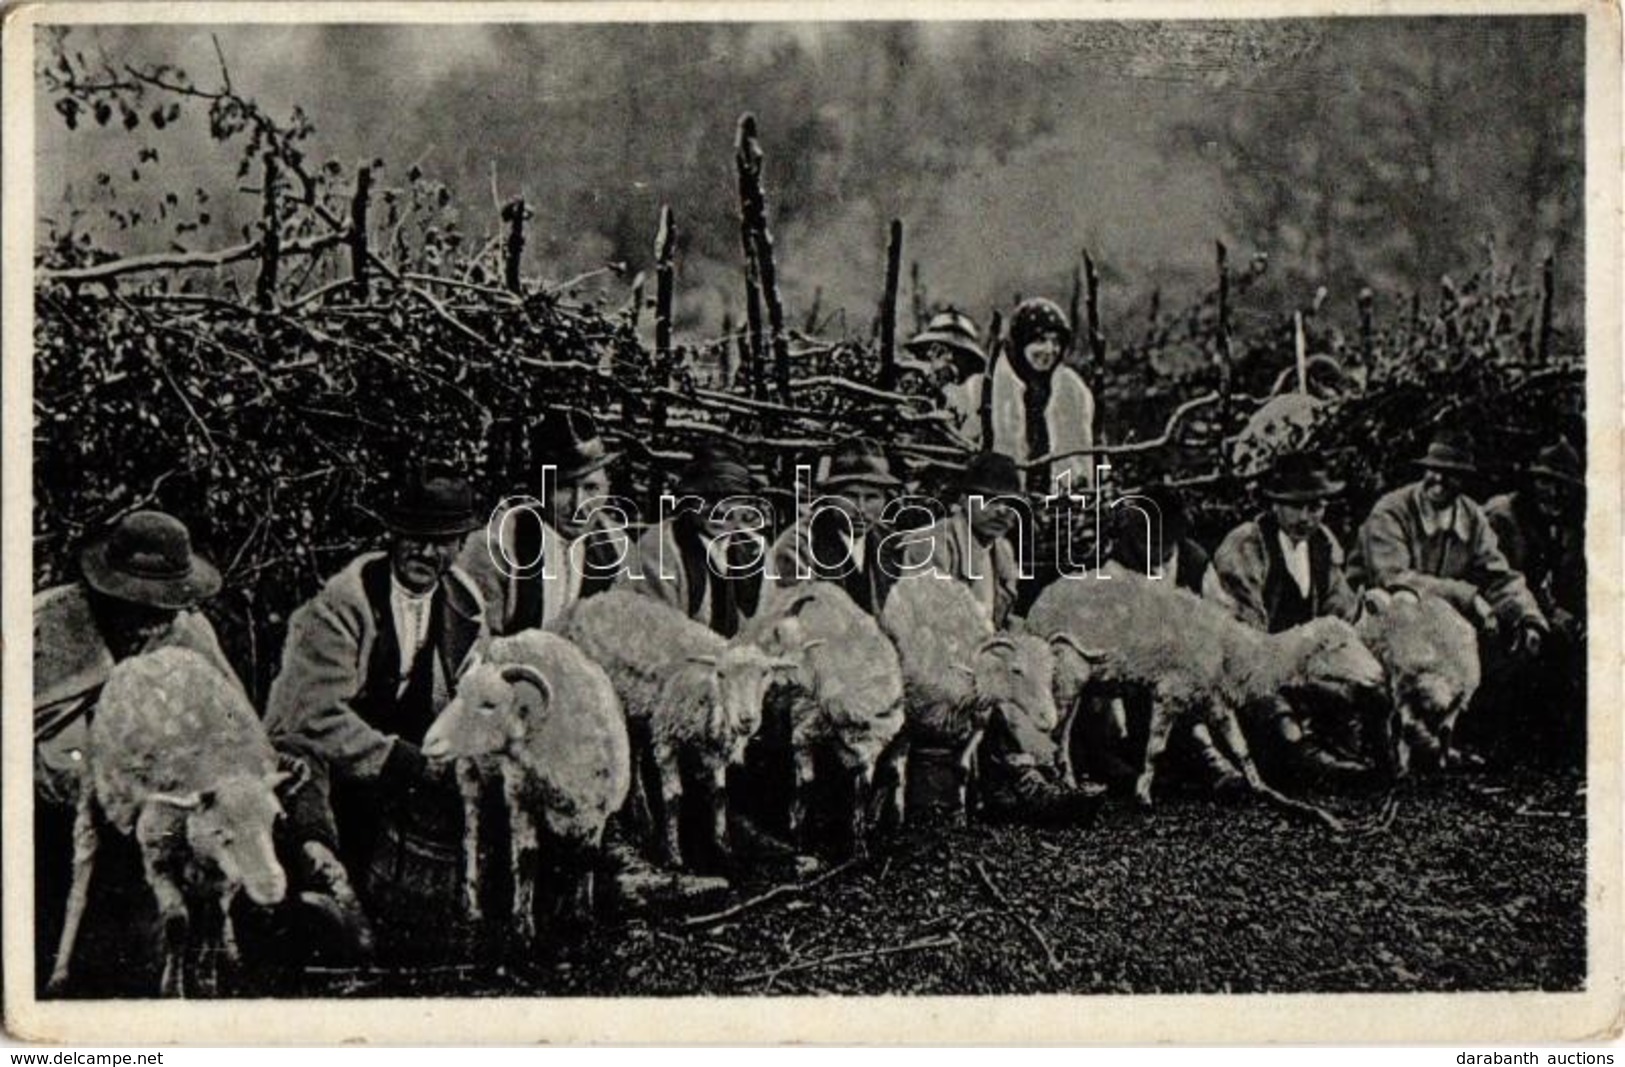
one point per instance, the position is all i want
(1017, 790)
(639, 884)
(327, 893)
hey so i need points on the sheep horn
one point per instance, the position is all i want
(189, 801)
(1090, 655)
(795, 606)
(514, 673)
(703, 660)
(996, 641)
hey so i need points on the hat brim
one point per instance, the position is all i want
(881, 481)
(431, 526)
(1446, 465)
(1303, 496)
(1555, 475)
(968, 357)
(200, 583)
(580, 471)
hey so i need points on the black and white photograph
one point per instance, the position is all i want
(560, 506)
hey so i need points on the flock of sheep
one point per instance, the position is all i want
(564, 721)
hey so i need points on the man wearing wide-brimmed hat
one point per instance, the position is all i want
(1433, 538)
(707, 558)
(970, 543)
(532, 561)
(369, 663)
(1019, 759)
(140, 586)
(947, 354)
(841, 536)
(1280, 570)
(1284, 567)
(1540, 528)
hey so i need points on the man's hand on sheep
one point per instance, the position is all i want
(1527, 644)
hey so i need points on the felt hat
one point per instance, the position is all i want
(858, 462)
(435, 504)
(1559, 463)
(568, 439)
(147, 558)
(1448, 454)
(1298, 478)
(991, 474)
(716, 473)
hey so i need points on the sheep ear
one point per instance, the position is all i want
(808, 646)
(704, 661)
(964, 669)
(1372, 602)
(783, 663)
(1061, 639)
(275, 779)
(184, 801)
(516, 674)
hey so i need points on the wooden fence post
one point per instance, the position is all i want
(1548, 289)
(513, 213)
(916, 295)
(747, 164)
(1223, 351)
(754, 209)
(1367, 302)
(888, 306)
(995, 328)
(665, 242)
(1091, 306)
(271, 240)
(359, 266)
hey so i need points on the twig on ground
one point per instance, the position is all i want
(925, 945)
(762, 898)
(1015, 913)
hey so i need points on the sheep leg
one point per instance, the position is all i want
(1069, 773)
(718, 799)
(798, 797)
(1163, 714)
(468, 784)
(1225, 727)
(671, 802)
(862, 782)
(526, 852)
(966, 772)
(893, 776)
(84, 862)
(176, 928)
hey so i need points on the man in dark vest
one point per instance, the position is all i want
(1285, 567)
(533, 562)
(841, 537)
(707, 559)
(368, 665)
(1281, 570)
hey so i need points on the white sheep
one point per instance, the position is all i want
(1430, 653)
(1198, 662)
(176, 757)
(846, 696)
(957, 670)
(551, 717)
(690, 696)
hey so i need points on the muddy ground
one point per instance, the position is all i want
(1478, 884)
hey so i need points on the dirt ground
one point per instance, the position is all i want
(1478, 884)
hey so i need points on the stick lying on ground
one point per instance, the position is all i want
(771, 894)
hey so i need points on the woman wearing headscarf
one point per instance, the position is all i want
(1041, 406)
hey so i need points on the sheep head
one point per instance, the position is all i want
(740, 676)
(488, 714)
(1017, 671)
(1075, 667)
(1327, 656)
(229, 829)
